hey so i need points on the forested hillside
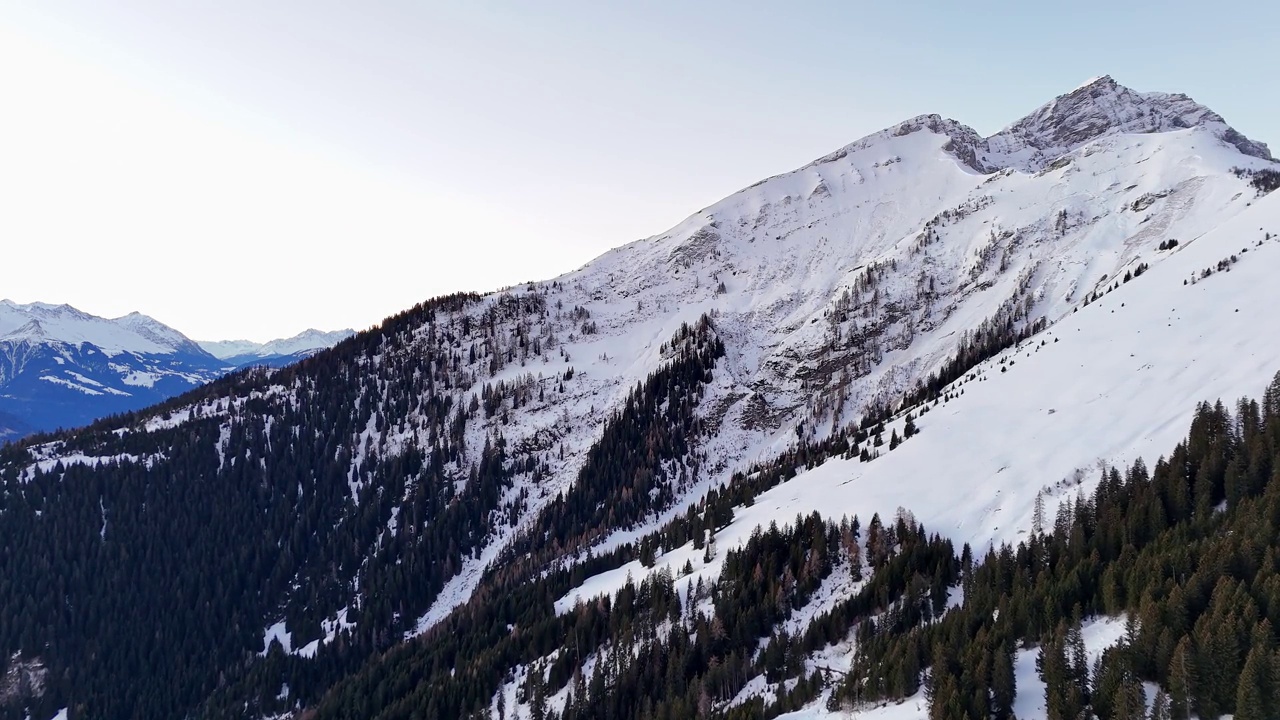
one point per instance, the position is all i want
(1188, 551)
(271, 507)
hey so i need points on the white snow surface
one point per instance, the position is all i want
(1099, 634)
(277, 633)
(48, 462)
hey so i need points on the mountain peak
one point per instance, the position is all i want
(1096, 80)
(136, 333)
(1096, 109)
(32, 331)
(1102, 107)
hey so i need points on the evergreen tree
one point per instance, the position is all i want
(1253, 691)
(1160, 709)
(1003, 683)
(1182, 681)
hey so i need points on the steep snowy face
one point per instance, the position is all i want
(963, 142)
(1098, 108)
(159, 333)
(32, 332)
(845, 282)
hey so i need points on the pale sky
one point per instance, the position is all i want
(249, 169)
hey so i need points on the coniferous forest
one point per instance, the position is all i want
(1186, 550)
(139, 585)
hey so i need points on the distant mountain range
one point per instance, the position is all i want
(61, 367)
(275, 353)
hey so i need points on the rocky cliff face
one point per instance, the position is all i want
(1103, 107)
(1095, 110)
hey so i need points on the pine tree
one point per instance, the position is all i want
(1130, 701)
(538, 694)
(1037, 515)
(1079, 666)
(1181, 680)
(1160, 707)
(1004, 687)
(1063, 699)
(1253, 689)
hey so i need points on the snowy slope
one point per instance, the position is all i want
(844, 283)
(1117, 380)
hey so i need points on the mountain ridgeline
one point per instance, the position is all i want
(693, 478)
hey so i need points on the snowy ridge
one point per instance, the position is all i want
(1100, 107)
(307, 341)
(135, 332)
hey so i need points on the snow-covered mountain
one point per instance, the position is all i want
(854, 277)
(60, 367)
(1059, 294)
(135, 332)
(275, 353)
(845, 284)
